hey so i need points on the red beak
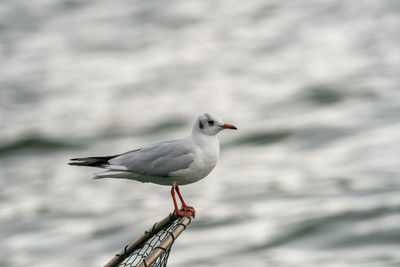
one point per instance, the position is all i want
(228, 126)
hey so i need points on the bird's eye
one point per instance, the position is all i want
(211, 122)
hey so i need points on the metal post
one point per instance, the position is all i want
(157, 252)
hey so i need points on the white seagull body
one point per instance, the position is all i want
(171, 162)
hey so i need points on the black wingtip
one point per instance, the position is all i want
(91, 161)
(80, 159)
(78, 164)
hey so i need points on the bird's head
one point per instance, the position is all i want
(210, 124)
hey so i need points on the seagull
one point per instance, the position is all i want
(171, 162)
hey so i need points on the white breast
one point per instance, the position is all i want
(206, 158)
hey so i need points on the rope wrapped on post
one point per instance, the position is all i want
(153, 247)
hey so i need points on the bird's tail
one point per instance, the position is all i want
(121, 173)
(112, 174)
(92, 161)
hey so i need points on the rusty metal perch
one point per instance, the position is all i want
(160, 249)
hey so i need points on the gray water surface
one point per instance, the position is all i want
(311, 178)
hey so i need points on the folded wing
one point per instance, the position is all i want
(158, 159)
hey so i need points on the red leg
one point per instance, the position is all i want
(185, 207)
(182, 213)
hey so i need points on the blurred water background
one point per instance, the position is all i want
(311, 178)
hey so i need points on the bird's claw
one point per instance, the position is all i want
(189, 209)
(184, 213)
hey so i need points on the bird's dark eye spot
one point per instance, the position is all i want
(211, 122)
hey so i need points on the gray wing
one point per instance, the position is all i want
(158, 159)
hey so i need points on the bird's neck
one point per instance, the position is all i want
(204, 140)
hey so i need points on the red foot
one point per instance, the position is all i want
(189, 209)
(184, 213)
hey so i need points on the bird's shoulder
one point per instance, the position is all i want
(181, 145)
